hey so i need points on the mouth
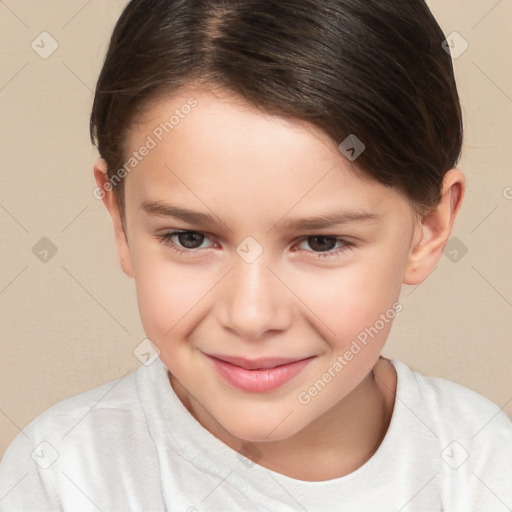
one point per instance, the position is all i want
(257, 375)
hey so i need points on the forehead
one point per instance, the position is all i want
(209, 145)
(224, 119)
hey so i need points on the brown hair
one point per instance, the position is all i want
(372, 68)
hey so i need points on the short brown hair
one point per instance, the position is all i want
(372, 68)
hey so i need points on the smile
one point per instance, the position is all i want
(259, 375)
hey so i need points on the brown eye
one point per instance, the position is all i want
(321, 243)
(190, 239)
(325, 246)
(184, 242)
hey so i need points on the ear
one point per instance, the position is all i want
(105, 192)
(431, 233)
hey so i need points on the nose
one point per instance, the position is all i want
(254, 300)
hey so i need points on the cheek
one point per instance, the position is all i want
(346, 300)
(167, 293)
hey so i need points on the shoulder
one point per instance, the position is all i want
(91, 414)
(100, 435)
(453, 410)
(468, 440)
(115, 397)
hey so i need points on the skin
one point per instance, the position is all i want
(254, 171)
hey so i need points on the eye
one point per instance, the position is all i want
(189, 241)
(326, 244)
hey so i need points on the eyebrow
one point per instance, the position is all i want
(160, 209)
(330, 219)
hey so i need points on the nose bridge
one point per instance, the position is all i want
(254, 299)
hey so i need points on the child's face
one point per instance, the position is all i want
(301, 298)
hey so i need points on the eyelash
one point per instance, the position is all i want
(167, 239)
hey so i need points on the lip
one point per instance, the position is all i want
(258, 375)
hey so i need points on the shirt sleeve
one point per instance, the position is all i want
(491, 478)
(24, 486)
(479, 469)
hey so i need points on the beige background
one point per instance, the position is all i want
(71, 323)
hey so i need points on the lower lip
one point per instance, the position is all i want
(258, 381)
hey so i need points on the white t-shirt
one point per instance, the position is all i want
(131, 445)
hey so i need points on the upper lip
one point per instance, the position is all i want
(261, 363)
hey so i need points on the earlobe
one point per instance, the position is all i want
(433, 231)
(105, 192)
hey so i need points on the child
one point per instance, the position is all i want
(274, 170)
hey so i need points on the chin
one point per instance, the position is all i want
(261, 428)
